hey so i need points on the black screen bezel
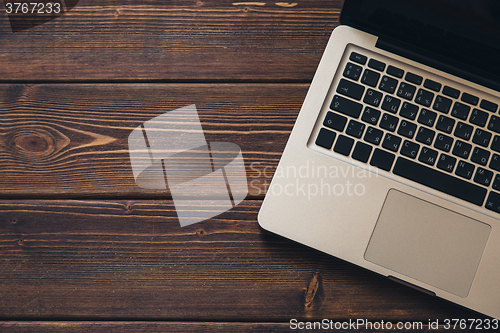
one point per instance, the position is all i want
(449, 38)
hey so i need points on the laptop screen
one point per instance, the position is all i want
(462, 33)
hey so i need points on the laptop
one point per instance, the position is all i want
(393, 163)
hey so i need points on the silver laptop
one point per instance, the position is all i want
(394, 161)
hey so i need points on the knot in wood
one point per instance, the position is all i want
(312, 290)
(33, 142)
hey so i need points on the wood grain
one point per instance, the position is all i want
(139, 327)
(171, 41)
(130, 260)
(119, 261)
(71, 140)
(174, 327)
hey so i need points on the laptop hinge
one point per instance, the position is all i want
(428, 292)
(441, 63)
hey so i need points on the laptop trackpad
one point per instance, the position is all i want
(428, 243)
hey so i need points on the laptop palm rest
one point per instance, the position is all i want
(428, 243)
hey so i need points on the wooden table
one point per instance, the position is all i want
(83, 249)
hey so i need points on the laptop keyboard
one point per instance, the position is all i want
(414, 127)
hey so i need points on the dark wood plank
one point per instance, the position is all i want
(205, 327)
(139, 327)
(124, 260)
(68, 141)
(174, 41)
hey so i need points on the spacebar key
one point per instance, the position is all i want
(440, 181)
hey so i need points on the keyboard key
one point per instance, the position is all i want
(362, 152)
(345, 106)
(355, 129)
(481, 137)
(389, 122)
(388, 84)
(461, 149)
(425, 135)
(375, 64)
(464, 169)
(440, 181)
(483, 176)
(463, 131)
(495, 145)
(428, 156)
(391, 104)
(427, 117)
(407, 129)
(478, 117)
(445, 124)
(391, 142)
(350, 89)
(343, 145)
(424, 97)
(451, 92)
(373, 97)
(488, 106)
(352, 71)
(496, 182)
(359, 58)
(460, 111)
(325, 138)
(373, 135)
(432, 85)
(382, 159)
(370, 78)
(370, 116)
(442, 104)
(394, 71)
(335, 121)
(470, 99)
(495, 162)
(409, 149)
(493, 202)
(446, 163)
(406, 91)
(413, 78)
(443, 142)
(409, 111)
(494, 124)
(480, 156)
